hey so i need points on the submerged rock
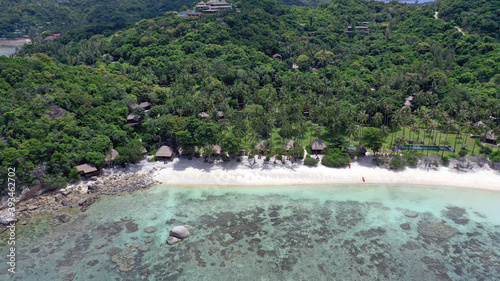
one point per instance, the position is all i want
(125, 260)
(436, 230)
(150, 229)
(411, 214)
(405, 226)
(171, 240)
(180, 232)
(60, 218)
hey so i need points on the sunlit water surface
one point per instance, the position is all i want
(359, 232)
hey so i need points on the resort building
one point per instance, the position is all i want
(213, 6)
(164, 153)
(144, 105)
(317, 147)
(209, 7)
(87, 170)
(363, 29)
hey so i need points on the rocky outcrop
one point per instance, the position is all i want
(7, 217)
(85, 203)
(33, 201)
(180, 232)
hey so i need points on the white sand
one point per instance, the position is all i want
(196, 172)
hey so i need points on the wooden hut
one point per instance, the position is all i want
(164, 153)
(317, 146)
(87, 170)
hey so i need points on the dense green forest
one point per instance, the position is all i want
(78, 19)
(66, 103)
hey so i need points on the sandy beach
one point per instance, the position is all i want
(195, 172)
(14, 42)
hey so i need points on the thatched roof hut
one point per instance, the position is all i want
(164, 153)
(317, 146)
(86, 169)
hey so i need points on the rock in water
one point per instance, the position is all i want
(411, 214)
(180, 232)
(172, 240)
(60, 218)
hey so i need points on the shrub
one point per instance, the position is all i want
(268, 158)
(309, 149)
(462, 152)
(397, 162)
(411, 158)
(495, 156)
(485, 150)
(445, 160)
(310, 161)
(380, 160)
(336, 158)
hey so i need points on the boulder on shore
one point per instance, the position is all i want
(7, 217)
(180, 232)
(172, 240)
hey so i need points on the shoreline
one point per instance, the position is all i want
(178, 171)
(195, 173)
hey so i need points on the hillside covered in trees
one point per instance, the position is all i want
(275, 71)
(77, 19)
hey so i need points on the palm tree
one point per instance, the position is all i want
(378, 118)
(362, 118)
(351, 131)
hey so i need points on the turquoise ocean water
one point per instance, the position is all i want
(358, 232)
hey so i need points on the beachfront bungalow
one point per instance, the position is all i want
(164, 153)
(87, 170)
(110, 157)
(317, 147)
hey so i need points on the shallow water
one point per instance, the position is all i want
(357, 232)
(7, 51)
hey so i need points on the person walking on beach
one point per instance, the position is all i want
(363, 179)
